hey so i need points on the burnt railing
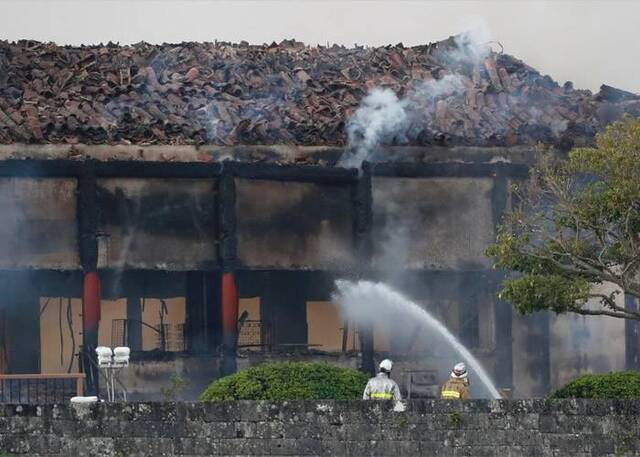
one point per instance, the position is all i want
(40, 388)
(255, 334)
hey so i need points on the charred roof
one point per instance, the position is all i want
(287, 93)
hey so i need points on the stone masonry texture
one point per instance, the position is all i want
(324, 428)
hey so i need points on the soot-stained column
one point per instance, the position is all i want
(134, 323)
(502, 310)
(228, 261)
(91, 294)
(504, 339)
(363, 222)
(284, 308)
(20, 333)
(631, 335)
(203, 327)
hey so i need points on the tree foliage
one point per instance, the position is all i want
(289, 381)
(610, 385)
(577, 225)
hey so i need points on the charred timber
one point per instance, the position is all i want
(303, 173)
(145, 169)
(363, 220)
(132, 169)
(227, 228)
(87, 217)
(158, 169)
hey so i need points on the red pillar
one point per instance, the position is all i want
(229, 323)
(91, 303)
(90, 320)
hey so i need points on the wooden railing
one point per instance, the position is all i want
(40, 388)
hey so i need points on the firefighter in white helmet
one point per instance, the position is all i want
(457, 386)
(382, 387)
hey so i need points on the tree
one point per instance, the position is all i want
(576, 225)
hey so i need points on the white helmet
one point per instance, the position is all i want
(459, 371)
(386, 365)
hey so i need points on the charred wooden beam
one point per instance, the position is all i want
(88, 249)
(302, 173)
(87, 217)
(631, 332)
(228, 258)
(363, 217)
(139, 169)
(448, 170)
(129, 169)
(503, 314)
(41, 168)
(227, 224)
(363, 224)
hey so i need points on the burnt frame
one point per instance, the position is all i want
(360, 182)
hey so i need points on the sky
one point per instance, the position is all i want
(588, 42)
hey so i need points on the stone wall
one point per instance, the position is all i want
(428, 428)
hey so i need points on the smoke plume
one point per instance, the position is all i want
(469, 98)
(381, 117)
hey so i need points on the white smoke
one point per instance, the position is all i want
(383, 117)
(438, 88)
(380, 117)
(473, 44)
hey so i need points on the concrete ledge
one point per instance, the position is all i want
(351, 428)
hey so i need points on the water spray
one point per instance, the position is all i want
(373, 302)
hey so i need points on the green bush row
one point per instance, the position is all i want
(623, 384)
(289, 381)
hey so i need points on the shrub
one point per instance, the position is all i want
(289, 381)
(623, 384)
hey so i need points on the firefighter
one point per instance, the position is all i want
(457, 387)
(382, 387)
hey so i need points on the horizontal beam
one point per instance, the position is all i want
(267, 171)
(302, 173)
(144, 169)
(448, 170)
(128, 169)
(40, 168)
(157, 169)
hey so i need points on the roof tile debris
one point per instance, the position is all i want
(286, 93)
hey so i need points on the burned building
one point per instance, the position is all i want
(189, 201)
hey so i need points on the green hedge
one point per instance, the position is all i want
(623, 384)
(289, 381)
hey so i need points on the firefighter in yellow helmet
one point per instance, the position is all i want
(457, 387)
(382, 387)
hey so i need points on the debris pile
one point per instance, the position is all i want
(286, 93)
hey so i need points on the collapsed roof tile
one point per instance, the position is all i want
(287, 93)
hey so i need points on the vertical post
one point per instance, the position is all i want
(80, 386)
(544, 351)
(228, 262)
(363, 223)
(204, 313)
(502, 311)
(631, 335)
(134, 324)
(503, 315)
(88, 246)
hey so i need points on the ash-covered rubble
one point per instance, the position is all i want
(286, 93)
